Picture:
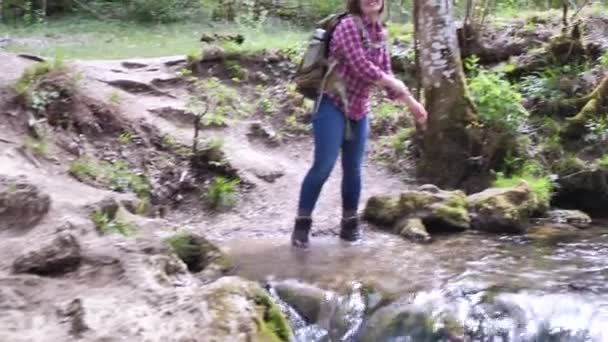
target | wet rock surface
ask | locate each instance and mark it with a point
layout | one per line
(58, 256)
(503, 209)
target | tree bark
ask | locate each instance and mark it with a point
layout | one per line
(451, 147)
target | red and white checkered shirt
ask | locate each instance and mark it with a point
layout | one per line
(359, 67)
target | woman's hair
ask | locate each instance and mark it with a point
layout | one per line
(354, 7)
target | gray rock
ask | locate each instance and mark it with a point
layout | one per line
(503, 210)
(575, 218)
(61, 255)
(307, 300)
(413, 229)
(22, 204)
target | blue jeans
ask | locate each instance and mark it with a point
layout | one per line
(329, 127)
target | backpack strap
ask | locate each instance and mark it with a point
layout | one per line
(364, 34)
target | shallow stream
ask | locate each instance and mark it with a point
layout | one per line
(548, 285)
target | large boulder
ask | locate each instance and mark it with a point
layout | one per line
(436, 210)
(308, 300)
(242, 310)
(22, 204)
(581, 186)
(503, 210)
(58, 256)
(407, 322)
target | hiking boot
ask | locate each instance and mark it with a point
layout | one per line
(299, 237)
(350, 229)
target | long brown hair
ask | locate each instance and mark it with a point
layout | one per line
(354, 7)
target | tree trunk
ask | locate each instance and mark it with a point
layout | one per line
(451, 147)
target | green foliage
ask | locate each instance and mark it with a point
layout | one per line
(235, 71)
(603, 162)
(25, 83)
(86, 38)
(400, 141)
(159, 11)
(604, 59)
(498, 102)
(184, 246)
(597, 130)
(222, 192)
(212, 101)
(273, 325)
(117, 176)
(107, 225)
(534, 174)
(115, 98)
(294, 125)
(125, 138)
(250, 15)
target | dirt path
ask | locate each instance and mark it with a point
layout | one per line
(269, 208)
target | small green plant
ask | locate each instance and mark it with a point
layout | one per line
(115, 98)
(294, 125)
(498, 102)
(39, 100)
(107, 225)
(222, 192)
(266, 106)
(235, 70)
(117, 176)
(184, 246)
(39, 147)
(125, 138)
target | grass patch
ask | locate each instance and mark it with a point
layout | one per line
(84, 38)
(34, 72)
(117, 176)
(540, 184)
(222, 192)
(107, 225)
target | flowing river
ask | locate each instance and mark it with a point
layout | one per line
(547, 285)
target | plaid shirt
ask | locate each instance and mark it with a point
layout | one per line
(358, 67)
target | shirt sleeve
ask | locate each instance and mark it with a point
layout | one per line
(349, 42)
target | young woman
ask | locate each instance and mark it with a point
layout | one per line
(359, 44)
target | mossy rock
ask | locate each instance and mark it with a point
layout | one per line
(503, 210)
(199, 254)
(307, 300)
(413, 229)
(436, 209)
(242, 308)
